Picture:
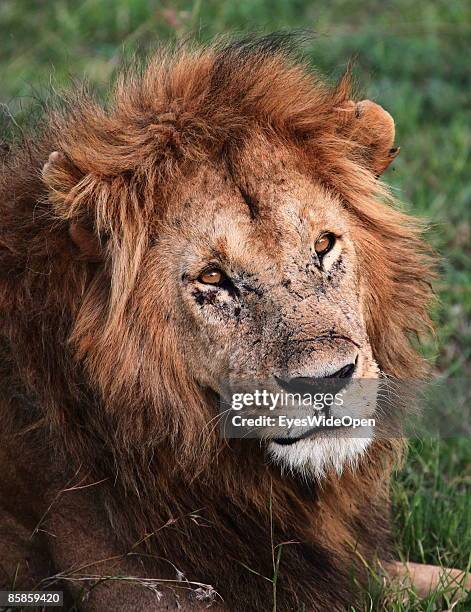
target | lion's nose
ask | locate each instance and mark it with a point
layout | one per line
(307, 384)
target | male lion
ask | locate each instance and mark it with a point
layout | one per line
(222, 217)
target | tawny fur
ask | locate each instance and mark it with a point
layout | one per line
(103, 455)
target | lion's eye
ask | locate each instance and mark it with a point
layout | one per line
(324, 244)
(212, 276)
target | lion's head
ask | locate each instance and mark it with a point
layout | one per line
(222, 219)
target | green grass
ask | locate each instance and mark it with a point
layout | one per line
(412, 57)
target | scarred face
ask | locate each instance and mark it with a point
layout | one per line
(266, 286)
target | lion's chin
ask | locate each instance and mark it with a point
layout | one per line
(315, 458)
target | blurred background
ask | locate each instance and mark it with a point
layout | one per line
(412, 58)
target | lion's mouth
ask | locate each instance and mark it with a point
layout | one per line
(308, 434)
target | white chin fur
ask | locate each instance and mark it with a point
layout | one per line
(314, 458)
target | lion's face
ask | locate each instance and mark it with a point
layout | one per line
(265, 284)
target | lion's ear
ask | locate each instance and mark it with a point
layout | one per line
(61, 177)
(372, 127)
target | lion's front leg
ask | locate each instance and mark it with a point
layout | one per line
(425, 579)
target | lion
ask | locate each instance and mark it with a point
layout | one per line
(222, 216)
